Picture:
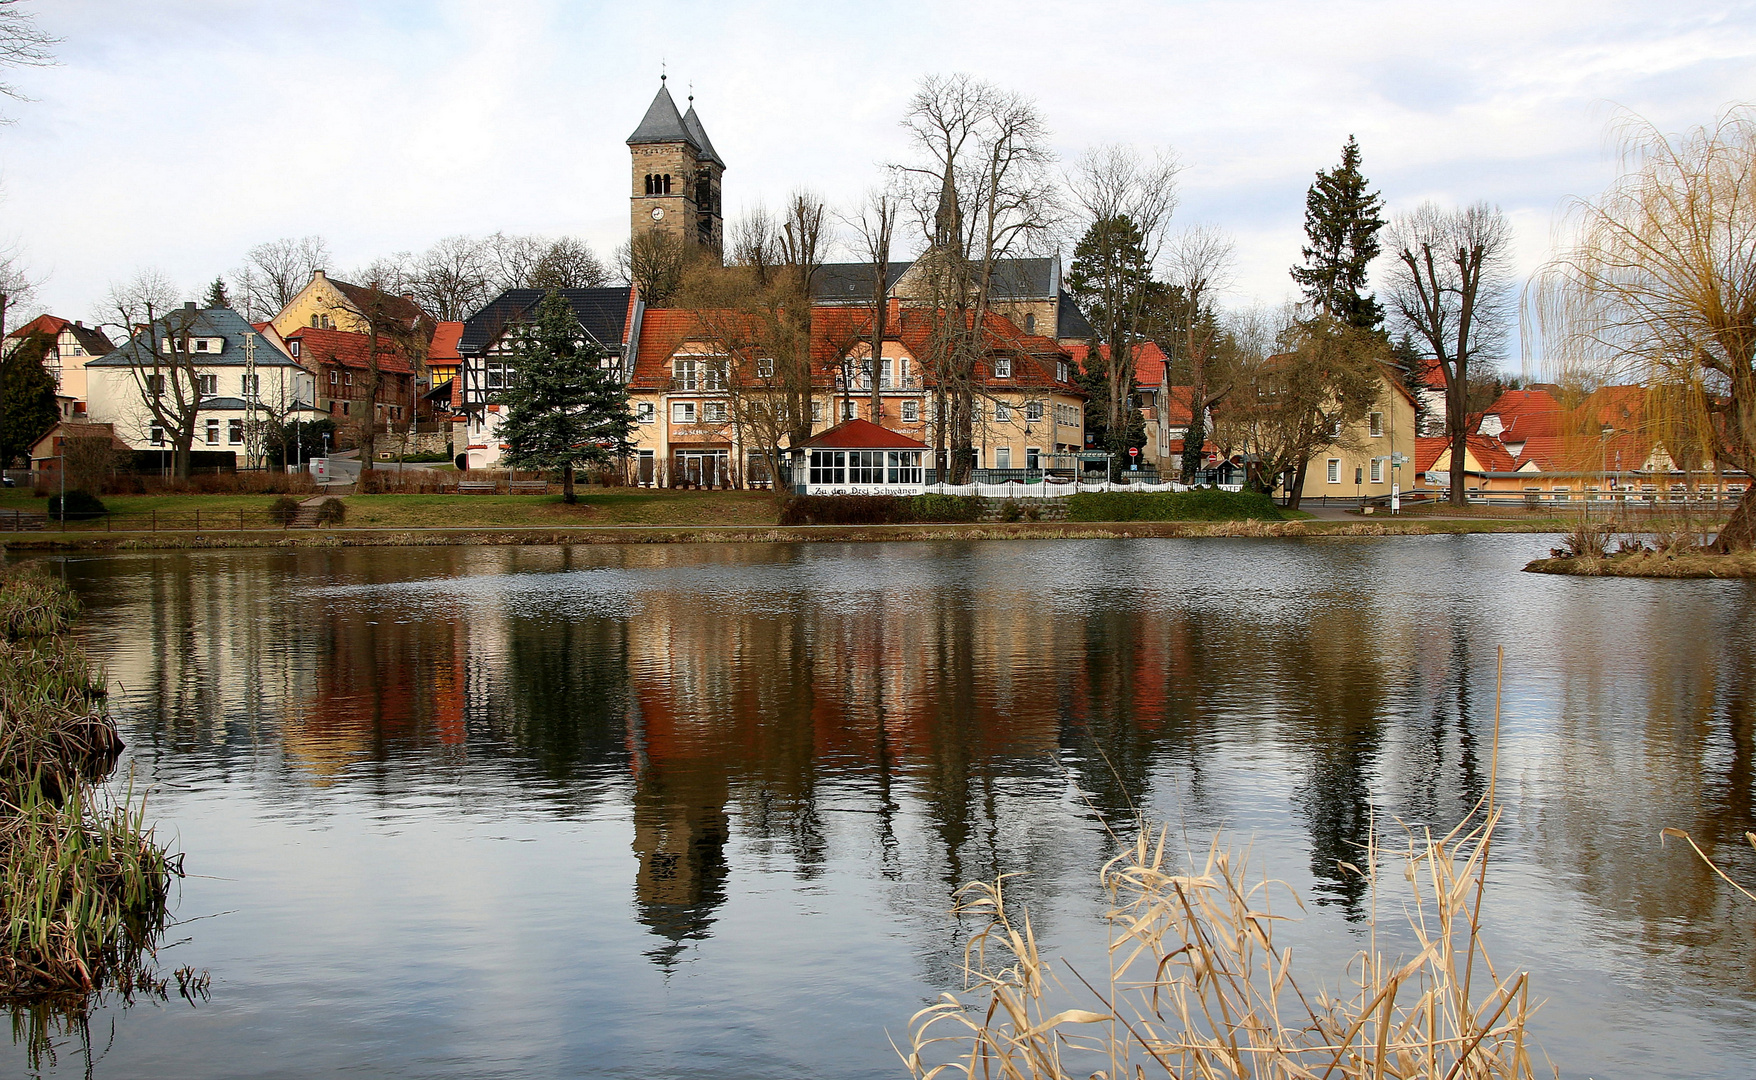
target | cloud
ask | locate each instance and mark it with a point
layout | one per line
(180, 133)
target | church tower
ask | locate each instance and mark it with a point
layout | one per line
(676, 176)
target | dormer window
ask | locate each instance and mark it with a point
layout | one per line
(293, 346)
(1002, 367)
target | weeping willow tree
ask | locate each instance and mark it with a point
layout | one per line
(1655, 283)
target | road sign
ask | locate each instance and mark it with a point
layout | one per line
(1398, 459)
(1134, 451)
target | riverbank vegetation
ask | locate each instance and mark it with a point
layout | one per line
(1199, 504)
(1198, 987)
(83, 881)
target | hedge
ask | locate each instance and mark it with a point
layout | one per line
(1200, 504)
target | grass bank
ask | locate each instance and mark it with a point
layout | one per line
(83, 883)
(1652, 564)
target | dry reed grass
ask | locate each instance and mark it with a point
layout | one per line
(1198, 988)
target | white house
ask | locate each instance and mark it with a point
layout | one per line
(244, 379)
(857, 457)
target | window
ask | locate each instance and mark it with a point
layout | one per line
(1002, 367)
(156, 435)
(251, 385)
(682, 412)
(234, 431)
(213, 433)
(200, 344)
(1003, 457)
(1033, 412)
(911, 412)
(713, 375)
(344, 408)
(207, 385)
(1063, 371)
(1377, 419)
(644, 412)
(293, 347)
(764, 367)
(817, 412)
(1033, 457)
(1377, 468)
(686, 375)
(347, 378)
(155, 385)
(848, 409)
(865, 466)
(1002, 412)
(334, 377)
(904, 466)
(1334, 475)
(828, 467)
(713, 412)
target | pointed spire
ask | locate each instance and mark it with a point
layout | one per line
(698, 135)
(662, 124)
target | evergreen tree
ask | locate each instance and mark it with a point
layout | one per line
(565, 408)
(1111, 279)
(1413, 365)
(1342, 222)
(216, 295)
(27, 397)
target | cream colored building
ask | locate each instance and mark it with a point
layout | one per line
(1361, 463)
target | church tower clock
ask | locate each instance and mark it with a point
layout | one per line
(676, 177)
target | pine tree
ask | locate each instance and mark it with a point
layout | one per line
(565, 409)
(1342, 222)
(27, 398)
(1413, 366)
(1111, 278)
(216, 295)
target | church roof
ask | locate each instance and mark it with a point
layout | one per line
(840, 283)
(663, 124)
(692, 125)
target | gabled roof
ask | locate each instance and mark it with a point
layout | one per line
(1625, 452)
(1070, 322)
(692, 125)
(851, 282)
(223, 323)
(1483, 451)
(662, 123)
(1526, 414)
(859, 434)
(347, 348)
(443, 350)
(1149, 361)
(91, 339)
(401, 308)
(602, 313)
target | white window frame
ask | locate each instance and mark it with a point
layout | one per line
(765, 367)
(1377, 473)
(713, 412)
(1033, 412)
(1377, 424)
(1333, 474)
(213, 432)
(911, 412)
(1002, 457)
(206, 385)
(156, 435)
(1002, 413)
(1002, 367)
(682, 412)
(234, 432)
(686, 372)
(849, 409)
(645, 412)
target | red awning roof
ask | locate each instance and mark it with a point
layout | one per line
(861, 435)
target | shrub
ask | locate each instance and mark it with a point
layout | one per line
(841, 510)
(1201, 504)
(80, 506)
(283, 510)
(944, 508)
(331, 511)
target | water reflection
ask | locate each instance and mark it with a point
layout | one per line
(888, 722)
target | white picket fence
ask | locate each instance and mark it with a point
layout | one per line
(1014, 490)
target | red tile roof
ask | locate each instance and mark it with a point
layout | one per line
(443, 350)
(346, 348)
(861, 435)
(1488, 453)
(1526, 414)
(48, 324)
(1584, 453)
(1149, 361)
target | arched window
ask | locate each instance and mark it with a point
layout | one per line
(667, 186)
(1030, 324)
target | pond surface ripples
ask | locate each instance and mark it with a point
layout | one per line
(677, 811)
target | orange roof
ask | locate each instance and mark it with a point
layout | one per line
(48, 324)
(1526, 414)
(346, 348)
(1149, 361)
(1620, 407)
(443, 350)
(1582, 453)
(834, 331)
(860, 434)
(1489, 453)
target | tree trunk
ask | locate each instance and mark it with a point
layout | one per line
(1739, 533)
(567, 495)
(1298, 491)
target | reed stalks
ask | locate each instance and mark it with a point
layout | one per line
(83, 883)
(1198, 988)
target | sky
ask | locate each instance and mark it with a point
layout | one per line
(178, 134)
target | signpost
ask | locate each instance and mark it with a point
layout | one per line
(1134, 459)
(1396, 461)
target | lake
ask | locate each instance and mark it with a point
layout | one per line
(683, 811)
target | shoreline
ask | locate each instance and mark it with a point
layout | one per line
(547, 536)
(1652, 565)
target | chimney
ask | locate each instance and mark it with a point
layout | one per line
(188, 305)
(79, 323)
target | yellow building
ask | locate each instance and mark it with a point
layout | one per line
(1361, 462)
(327, 304)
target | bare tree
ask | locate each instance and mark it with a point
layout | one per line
(983, 194)
(654, 263)
(162, 360)
(511, 260)
(273, 273)
(567, 263)
(874, 228)
(1200, 266)
(453, 278)
(22, 44)
(1656, 283)
(1126, 204)
(1450, 288)
(17, 288)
